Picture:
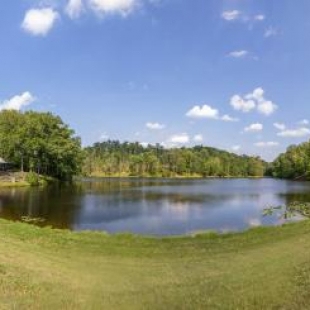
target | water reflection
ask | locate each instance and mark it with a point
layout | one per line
(158, 207)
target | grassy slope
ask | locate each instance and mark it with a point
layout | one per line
(265, 268)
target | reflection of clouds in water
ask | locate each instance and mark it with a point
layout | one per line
(160, 207)
(177, 210)
(253, 222)
(228, 229)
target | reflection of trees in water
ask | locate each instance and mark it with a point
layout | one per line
(106, 185)
(56, 204)
(104, 201)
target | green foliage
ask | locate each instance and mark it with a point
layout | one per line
(39, 142)
(32, 178)
(294, 163)
(112, 158)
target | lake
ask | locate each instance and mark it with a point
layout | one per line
(154, 206)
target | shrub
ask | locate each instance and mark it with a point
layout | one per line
(32, 178)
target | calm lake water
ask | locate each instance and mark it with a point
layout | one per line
(154, 207)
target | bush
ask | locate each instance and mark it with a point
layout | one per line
(32, 178)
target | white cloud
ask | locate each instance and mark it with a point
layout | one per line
(253, 100)
(240, 104)
(254, 128)
(198, 138)
(279, 126)
(39, 22)
(236, 148)
(155, 126)
(259, 17)
(144, 144)
(231, 15)
(74, 8)
(254, 222)
(204, 111)
(266, 107)
(295, 133)
(257, 94)
(266, 144)
(304, 122)
(182, 138)
(227, 118)
(234, 15)
(270, 32)
(104, 136)
(238, 54)
(123, 7)
(18, 102)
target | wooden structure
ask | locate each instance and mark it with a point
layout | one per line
(4, 165)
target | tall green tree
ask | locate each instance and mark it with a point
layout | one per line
(40, 142)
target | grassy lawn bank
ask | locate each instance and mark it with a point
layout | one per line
(264, 268)
(22, 179)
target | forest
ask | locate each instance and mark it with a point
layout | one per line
(114, 158)
(43, 143)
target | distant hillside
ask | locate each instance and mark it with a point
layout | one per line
(113, 158)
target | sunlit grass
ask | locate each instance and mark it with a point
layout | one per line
(264, 268)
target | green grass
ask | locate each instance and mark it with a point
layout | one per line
(14, 184)
(42, 181)
(264, 268)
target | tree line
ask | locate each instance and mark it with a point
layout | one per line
(43, 143)
(114, 158)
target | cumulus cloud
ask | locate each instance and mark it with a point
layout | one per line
(182, 138)
(254, 128)
(231, 15)
(123, 7)
(295, 133)
(204, 111)
(279, 126)
(238, 54)
(207, 112)
(240, 104)
(257, 94)
(18, 102)
(198, 138)
(39, 22)
(254, 100)
(74, 8)
(266, 144)
(266, 107)
(304, 122)
(155, 126)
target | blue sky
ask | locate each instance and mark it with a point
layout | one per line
(232, 74)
